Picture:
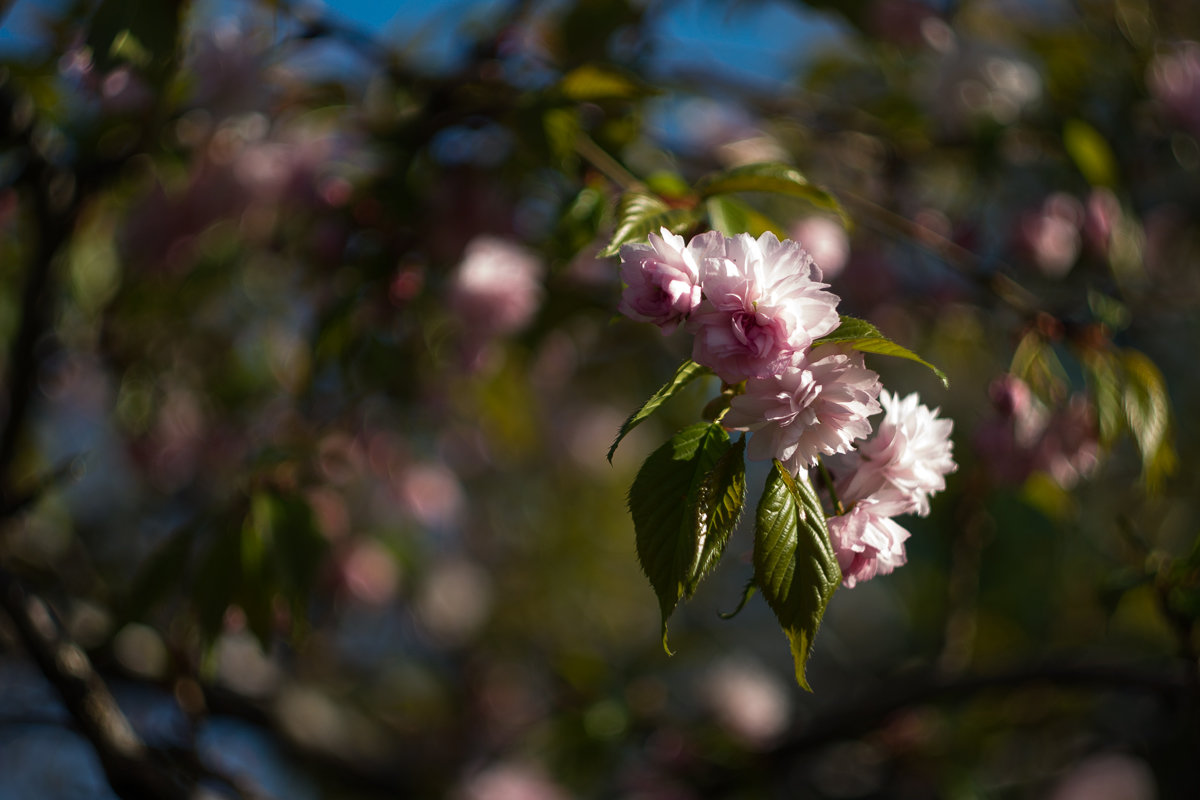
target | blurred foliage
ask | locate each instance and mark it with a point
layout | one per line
(329, 337)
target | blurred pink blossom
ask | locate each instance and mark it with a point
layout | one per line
(818, 405)
(1052, 234)
(1101, 217)
(1108, 776)
(496, 289)
(510, 781)
(764, 301)
(432, 494)
(1174, 79)
(663, 278)
(906, 460)
(826, 242)
(749, 702)
(1070, 448)
(1023, 436)
(1008, 440)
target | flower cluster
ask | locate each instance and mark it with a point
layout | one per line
(755, 308)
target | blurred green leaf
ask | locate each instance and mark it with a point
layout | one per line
(143, 33)
(1148, 412)
(769, 177)
(1105, 384)
(675, 512)
(731, 216)
(159, 573)
(863, 336)
(592, 82)
(794, 563)
(687, 372)
(1090, 152)
(639, 215)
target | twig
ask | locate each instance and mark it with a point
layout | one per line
(124, 756)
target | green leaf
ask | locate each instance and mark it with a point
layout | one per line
(590, 83)
(143, 33)
(1104, 380)
(719, 506)
(160, 573)
(731, 216)
(1090, 152)
(769, 177)
(863, 336)
(683, 512)
(639, 215)
(794, 563)
(1147, 410)
(688, 371)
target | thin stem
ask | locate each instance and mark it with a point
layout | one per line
(612, 169)
(828, 479)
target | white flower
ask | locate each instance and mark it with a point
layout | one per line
(906, 460)
(818, 405)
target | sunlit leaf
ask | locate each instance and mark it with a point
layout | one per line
(687, 372)
(1090, 152)
(794, 563)
(639, 215)
(591, 82)
(769, 177)
(731, 216)
(674, 505)
(863, 336)
(1147, 410)
(143, 33)
(1105, 384)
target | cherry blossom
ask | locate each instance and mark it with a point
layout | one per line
(819, 405)
(763, 302)
(906, 460)
(867, 541)
(663, 277)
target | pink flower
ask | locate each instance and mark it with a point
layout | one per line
(764, 301)
(818, 405)
(1007, 442)
(1052, 234)
(905, 461)
(826, 242)
(663, 278)
(1174, 79)
(1070, 448)
(497, 286)
(867, 541)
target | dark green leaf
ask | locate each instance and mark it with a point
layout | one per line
(863, 336)
(143, 33)
(719, 505)
(163, 570)
(639, 215)
(674, 515)
(794, 564)
(769, 177)
(687, 372)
